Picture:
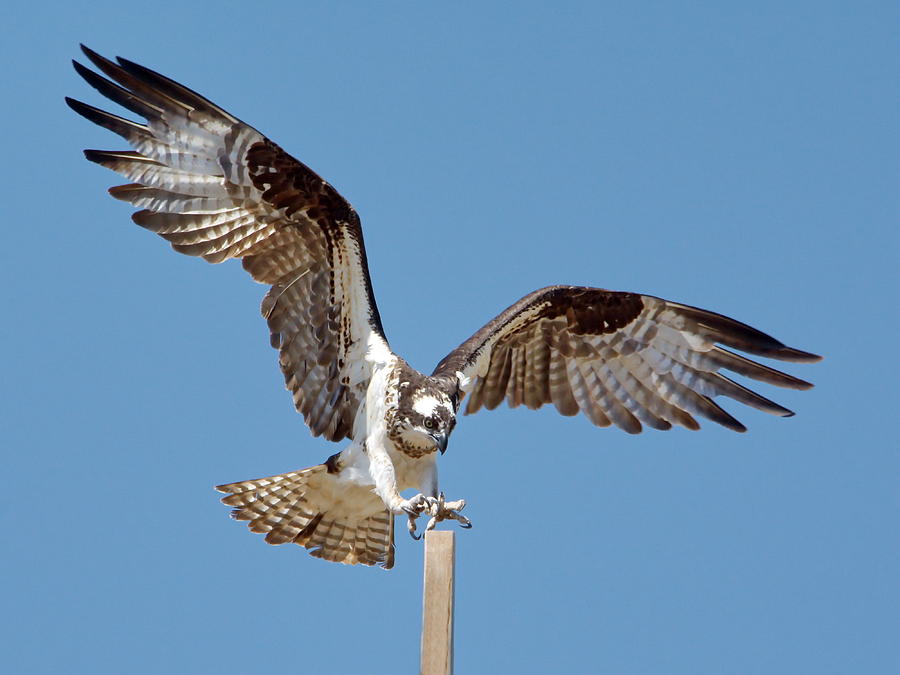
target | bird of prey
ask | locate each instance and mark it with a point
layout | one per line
(216, 188)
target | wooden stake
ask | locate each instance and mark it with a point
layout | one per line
(437, 603)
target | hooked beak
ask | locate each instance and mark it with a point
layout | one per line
(440, 440)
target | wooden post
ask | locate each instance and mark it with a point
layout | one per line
(437, 603)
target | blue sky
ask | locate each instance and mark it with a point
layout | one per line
(742, 157)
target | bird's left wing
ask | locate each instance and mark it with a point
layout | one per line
(215, 187)
(620, 358)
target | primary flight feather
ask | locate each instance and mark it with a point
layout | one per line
(215, 187)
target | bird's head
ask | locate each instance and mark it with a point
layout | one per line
(425, 417)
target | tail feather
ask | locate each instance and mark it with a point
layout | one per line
(335, 519)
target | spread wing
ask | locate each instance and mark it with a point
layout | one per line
(216, 188)
(620, 358)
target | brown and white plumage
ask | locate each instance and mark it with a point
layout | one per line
(311, 508)
(214, 187)
(620, 358)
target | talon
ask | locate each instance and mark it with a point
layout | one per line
(464, 522)
(411, 526)
(413, 509)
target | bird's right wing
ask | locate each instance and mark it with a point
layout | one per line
(215, 187)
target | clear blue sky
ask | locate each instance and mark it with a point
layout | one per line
(742, 157)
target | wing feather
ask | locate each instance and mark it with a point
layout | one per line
(619, 358)
(154, 199)
(496, 382)
(216, 188)
(151, 173)
(633, 394)
(559, 385)
(592, 403)
(536, 379)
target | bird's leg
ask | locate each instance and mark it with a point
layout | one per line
(382, 470)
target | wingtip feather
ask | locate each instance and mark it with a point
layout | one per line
(87, 111)
(799, 356)
(74, 104)
(81, 69)
(91, 54)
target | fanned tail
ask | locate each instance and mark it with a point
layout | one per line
(333, 518)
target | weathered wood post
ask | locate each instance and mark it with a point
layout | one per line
(437, 603)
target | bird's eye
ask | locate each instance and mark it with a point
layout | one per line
(429, 423)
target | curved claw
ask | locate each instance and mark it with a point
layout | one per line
(411, 524)
(413, 509)
(464, 522)
(412, 514)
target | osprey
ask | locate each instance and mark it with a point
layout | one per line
(215, 187)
